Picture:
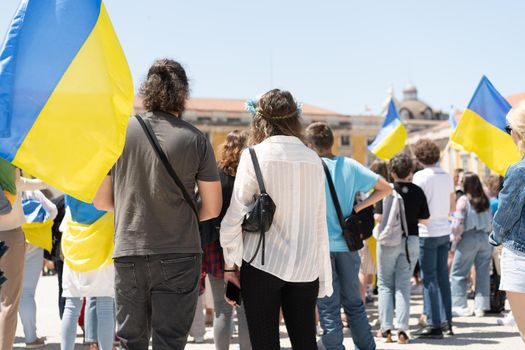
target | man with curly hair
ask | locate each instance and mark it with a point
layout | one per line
(157, 242)
(434, 240)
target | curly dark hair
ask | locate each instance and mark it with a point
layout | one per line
(402, 165)
(231, 151)
(320, 135)
(473, 188)
(166, 88)
(427, 152)
(273, 106)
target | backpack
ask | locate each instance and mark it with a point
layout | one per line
(393, 226)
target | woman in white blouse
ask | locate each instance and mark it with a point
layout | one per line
(296, 269)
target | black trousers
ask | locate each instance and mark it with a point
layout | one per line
(264, 295)
(156, 295)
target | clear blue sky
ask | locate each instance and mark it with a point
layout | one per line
(340, 54)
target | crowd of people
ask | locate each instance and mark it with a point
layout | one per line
(168, 216)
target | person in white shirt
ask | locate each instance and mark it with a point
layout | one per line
(296, 269)
(434, 239)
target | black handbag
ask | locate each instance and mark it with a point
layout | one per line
(351, 226)
(260, 218)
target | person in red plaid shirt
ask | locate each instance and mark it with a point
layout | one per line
(213, 259)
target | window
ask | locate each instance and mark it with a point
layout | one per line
(204, 120)
(465, 161)
(345, 140)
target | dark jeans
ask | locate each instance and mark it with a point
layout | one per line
(156, 295)
(433, 255)
(264, 295)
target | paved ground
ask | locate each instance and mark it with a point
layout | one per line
(471, 332)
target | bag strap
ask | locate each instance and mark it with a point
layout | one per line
(257, 168)
(333, 194)
(404, 225)
(164, 160)
(262, 189)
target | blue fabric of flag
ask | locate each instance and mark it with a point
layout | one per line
(488, 103)
(82, 212)
(24, 94)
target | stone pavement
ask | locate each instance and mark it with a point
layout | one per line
(471, 332)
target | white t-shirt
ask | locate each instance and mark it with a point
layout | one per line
(438, 186)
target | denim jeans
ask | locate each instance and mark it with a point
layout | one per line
(345, 281)
(433, 255)
(156, 295)
(222, 323)
(69, 323)
(393, 282)
(100, 321)
(34, 260)
(474, 248)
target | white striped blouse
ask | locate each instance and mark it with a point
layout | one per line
(297, 242)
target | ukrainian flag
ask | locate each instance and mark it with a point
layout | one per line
(481, 129)
(66, 94)
(392, 136)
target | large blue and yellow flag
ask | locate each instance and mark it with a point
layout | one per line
(66, 94)
(392, 137)
(481, 129)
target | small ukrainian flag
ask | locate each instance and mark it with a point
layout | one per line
(392, 137)
(66, 94)
(481, 129)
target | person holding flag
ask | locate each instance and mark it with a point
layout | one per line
(87, 246)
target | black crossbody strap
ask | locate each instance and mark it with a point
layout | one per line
(335, 199)
(257, 168)
(164, 160)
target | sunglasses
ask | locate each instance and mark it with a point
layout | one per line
(508, 129)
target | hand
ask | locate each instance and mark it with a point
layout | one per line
(232, 278)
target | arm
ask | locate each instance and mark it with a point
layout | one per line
(452, 202)
(511, 202)
(25, 184)
(104, 197)
(458, 226)
(211, 199)
(382, 189)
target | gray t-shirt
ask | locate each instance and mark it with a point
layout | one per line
(151, 216)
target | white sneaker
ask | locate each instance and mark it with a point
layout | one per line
(461, 311)
(508, 320)
(479, 312)
(198, 340)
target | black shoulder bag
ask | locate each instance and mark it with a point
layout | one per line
(260, 218)
(351, 225)
(164, 160)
